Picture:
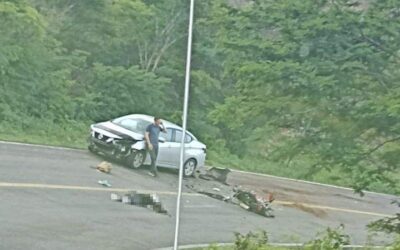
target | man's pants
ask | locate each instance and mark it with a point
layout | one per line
(153, 156)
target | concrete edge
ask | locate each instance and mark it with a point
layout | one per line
(288, 245)
(41, 146)
(310, 182)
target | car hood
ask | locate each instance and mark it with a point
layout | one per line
(117, 131)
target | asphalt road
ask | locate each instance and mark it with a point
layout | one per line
(50, 199)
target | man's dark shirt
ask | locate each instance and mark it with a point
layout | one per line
(154, 132)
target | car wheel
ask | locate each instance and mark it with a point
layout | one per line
(189, 168)
(136, 159)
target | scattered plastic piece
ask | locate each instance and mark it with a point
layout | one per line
(104, 183)
(116, 197)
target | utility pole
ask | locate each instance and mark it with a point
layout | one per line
(184, 125)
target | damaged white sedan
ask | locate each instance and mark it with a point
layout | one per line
(123, 139)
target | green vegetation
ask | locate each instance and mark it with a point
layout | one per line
(390, 225)
(305, 89)
(69, 134)
(330, 239)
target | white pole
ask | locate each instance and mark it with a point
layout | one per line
(184, 125)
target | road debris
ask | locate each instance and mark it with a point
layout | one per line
(216, 196)
(151, 201)
(247, 199)
(104, 183)
(104, 167)
(116, 197)
(242, 205)
(214, 173)
(253, 202)
(320, 213)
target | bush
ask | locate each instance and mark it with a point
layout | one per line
(46, 131)
(330, 239)
(251, 241)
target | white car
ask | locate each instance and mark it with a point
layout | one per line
(123, 138)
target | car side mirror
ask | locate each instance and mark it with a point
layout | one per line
(161, 139)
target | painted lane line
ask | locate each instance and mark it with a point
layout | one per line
(82, 188)
(290, 203)
(233, 170)
(200, 206)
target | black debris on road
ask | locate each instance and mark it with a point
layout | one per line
(151, 201)
(213, 184)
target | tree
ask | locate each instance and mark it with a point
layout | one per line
(318, 81)
(31, 76)
(111, 91)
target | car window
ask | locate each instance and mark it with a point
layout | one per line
(134, 125)
(178, 137)
(167, 136)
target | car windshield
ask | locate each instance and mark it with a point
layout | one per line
(133, 124)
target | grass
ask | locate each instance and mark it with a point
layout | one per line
(300, 170)
(71, 134)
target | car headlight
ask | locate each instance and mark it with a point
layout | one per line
(120, 146)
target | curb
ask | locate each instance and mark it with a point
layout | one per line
(310, 182)
(288, 245)
(41, 146)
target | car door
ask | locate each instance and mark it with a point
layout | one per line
(175, 147)
(163, 150)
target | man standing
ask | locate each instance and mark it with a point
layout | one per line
(151, 136)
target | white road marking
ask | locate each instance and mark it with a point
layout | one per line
(104, 189)
(200, 206)
(82, 188)
(233, 170)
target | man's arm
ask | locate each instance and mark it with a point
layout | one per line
(147, 138)
(162, 128)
